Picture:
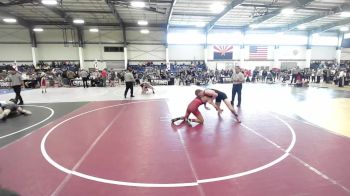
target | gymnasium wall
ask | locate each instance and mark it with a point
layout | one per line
(345, 55)
(186, 52)
(57, 44)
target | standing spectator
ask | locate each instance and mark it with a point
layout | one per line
(264, 75)
(313, 75)
(238, 79)
(122, 77)
(104, 77)
(112, 77)
(84, 76)
(70, 76)
(294, 75)
(16, 82)
(137, 78)
(182, 78)
(299, 80)
(95, 78)
(319, 74)
(43, 82)
(326, 74)
(129, 82)
(341, 78)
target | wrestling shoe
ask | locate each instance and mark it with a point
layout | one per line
(188, 121)
(175, 119)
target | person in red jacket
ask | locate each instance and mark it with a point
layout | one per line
(104, 75)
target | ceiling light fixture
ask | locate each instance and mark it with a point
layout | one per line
(343, 29)
(38, 29)
(144, 31)
(142, 22)
(287, 11)
(345, 14)
(78, 21)
(93, 30)
(217, 7)
(49, 2)
(10, 20)
(138, 4)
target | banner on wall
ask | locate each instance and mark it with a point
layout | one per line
(223, 52)
(258, 52)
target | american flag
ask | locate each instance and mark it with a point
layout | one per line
(258, 52)
(223, 52)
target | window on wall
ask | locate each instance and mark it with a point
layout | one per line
(186, 37)
(113, 49)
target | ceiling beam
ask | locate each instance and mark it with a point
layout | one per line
(295, 4)
(61, 23)
(149, 9)
(228, 8)
(278, 7)
(119, 19)
(154, 1)
(330, 26)
(318, 16)
(115, 12)
(15, 2)
(58, 12)
(20, 21)
(193, 14)
(88, 11)
(170, 14)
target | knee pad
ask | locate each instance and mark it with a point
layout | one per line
(5, 113)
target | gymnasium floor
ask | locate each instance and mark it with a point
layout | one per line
(292, 141)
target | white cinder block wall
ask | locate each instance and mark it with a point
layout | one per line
(15, 45)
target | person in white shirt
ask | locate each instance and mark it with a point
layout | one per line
(319, 74)
(313, 75)
(129, 82)
(341, 78)
(238, 79)
(16, 82)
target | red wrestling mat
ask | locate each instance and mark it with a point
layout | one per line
(130, 148)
